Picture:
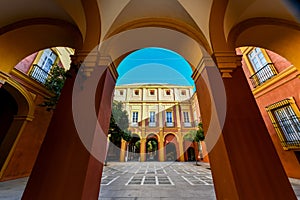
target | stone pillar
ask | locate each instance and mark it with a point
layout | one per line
(244, 162)
(180, 146)
(67, 166)
(123, 150)
(161, 149)
(143, 150)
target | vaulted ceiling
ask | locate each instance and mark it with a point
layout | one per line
(81, 24)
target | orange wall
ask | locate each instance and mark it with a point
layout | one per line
(27, 148)
(279, 92)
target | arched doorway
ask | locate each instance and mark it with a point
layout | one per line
(134, 148)
(171, 146)
(152, 148)
(8, 109)
(191, 154)
(171, 152)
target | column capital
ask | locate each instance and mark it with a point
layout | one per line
(92, 59)
(227, 62)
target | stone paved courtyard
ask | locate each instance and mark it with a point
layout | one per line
(157, 180)
(148, 180)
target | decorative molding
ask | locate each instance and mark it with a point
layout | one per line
(91, 59)
(227, 62)
(274, 82)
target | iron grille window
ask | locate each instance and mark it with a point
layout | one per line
(286, 123)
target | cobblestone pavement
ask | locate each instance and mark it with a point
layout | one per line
(149, 180)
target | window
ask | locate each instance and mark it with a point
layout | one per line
(136, 92)
(47, 60)
(186, 120)
(168, 92)
(121, 92)
(135, 116)
(183, 92)
(286, 122)
(152, 117)
(40, 71)
(169, 117)
(186, 117)
(263, 70)
(152, 122)
(152, 92)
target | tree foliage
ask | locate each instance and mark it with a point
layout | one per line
(195, 135)
(54, 84)
(119, 124)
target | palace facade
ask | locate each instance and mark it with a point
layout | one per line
(160, 115)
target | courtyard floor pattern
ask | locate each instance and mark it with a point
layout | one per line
(145, 181)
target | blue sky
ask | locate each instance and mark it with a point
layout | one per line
(154, 65)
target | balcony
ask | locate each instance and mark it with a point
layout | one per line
(262, 75)
(169, 124)
(187, 124)
(152, 124)
(134, 124)
(38, 74)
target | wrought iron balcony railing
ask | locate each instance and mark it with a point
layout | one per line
(170, 124)
(152, 124)
(38, 74)
(262, 75)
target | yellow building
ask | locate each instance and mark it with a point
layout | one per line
(159, 114)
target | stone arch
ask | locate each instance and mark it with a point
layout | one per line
(36, 34)
(259, 32)
(24, 113)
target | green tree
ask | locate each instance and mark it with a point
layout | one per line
(54, 84)
(196, 136)
(119, 123)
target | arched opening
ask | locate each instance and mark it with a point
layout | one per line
(152, 148)
(171, 145)
(8, 110)
(191, 154)
(134, 148)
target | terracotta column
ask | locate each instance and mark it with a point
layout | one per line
(180, 147)
(65, 167)
(143, 150)
(161, 150)
(123, 150)
(244, 162)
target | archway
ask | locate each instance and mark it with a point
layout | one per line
(134, 148)
(8, 109)
(172, 149)
(191, 154)
(152, 148)
(17, 112)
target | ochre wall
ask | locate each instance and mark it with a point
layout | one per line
(278, 91)
(24, 155)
